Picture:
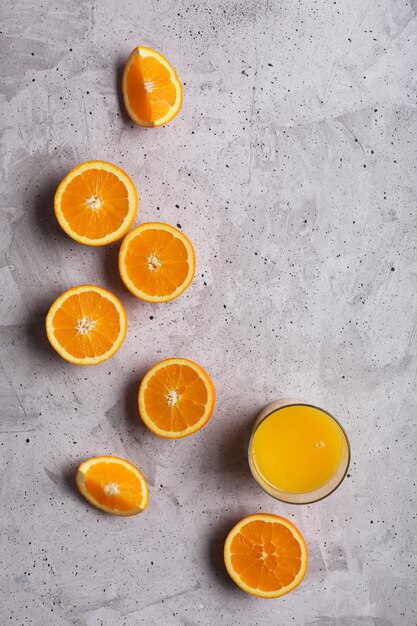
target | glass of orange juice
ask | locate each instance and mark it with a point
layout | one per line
(298, 453)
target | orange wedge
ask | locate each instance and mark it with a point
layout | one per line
(96, 203)
(156, 262)
(112, 485)
(86, 325)
(266, 555)
(152, 92)
(176, 398)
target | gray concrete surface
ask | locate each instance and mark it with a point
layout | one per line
(292, 167)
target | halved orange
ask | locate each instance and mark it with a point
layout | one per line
(152, 92)
(266, 555)
(86, 325)
(176, 398)
(112, 485)
(96, 203)
(156, 262)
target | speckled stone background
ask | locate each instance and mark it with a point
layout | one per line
(292, 167)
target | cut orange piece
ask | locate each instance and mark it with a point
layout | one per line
(96, 203)
(176, 398)
(152, 92)
(156, 262)
(112, 485)
(266, 555)
(86, 325)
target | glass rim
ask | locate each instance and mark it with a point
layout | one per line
(282, 499)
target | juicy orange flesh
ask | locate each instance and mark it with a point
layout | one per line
(150, 90)
(189, 390)
(105, 189)
(106, 473)
(156, 262)
(89, 309)
(265, 555)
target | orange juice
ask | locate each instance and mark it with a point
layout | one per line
(298, 449)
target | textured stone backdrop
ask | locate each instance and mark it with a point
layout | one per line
(292, 167)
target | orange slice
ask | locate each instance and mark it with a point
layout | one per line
(266, 555)
(86, 325)
(156, 262)
(176, 398)
(152, 92)
(112, 485)
(96, 203)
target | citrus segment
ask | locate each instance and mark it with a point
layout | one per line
(176, 398)
(156, 262)
(266, 555)
(96, 203)
(86, 325)
(112, 485)
(152, 92)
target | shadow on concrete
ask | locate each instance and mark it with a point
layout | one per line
(43, 214)
(120, 65)
(65, 480)
(35, 330)
(227, 457)
(134, 423)
(124, 416)
(111, 270)
(68, 481)
(215, 549)
(229, 452)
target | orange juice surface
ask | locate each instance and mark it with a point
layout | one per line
(297, 449)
